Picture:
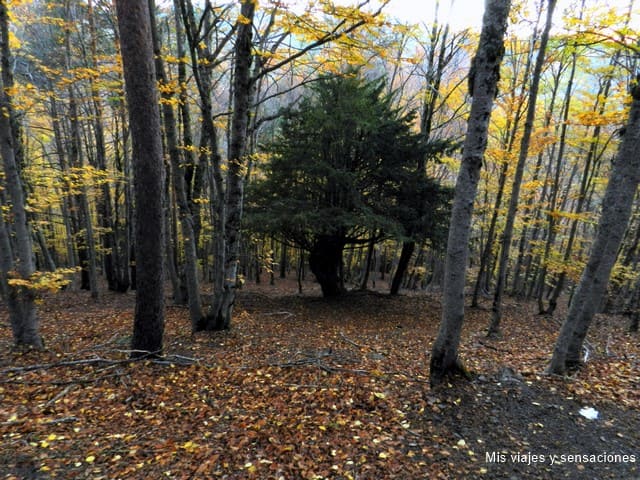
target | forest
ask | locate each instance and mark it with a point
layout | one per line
(309, 239)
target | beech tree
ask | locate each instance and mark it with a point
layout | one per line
(616, 211)
(144, 119)
(219, 317)
(483, 84)
(16, 258)
(179, 183)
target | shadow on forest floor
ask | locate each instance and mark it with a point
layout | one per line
(307, 388)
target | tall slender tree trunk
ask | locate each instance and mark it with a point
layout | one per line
(367, 263)
(144, 121)
(179, 186)
(483, 278)
(616, 211)
(193, 170)
(532, 214)
(104, 201)
(86, 241)
(507, 235)
(209, 154)
(171, 245)
(585, 184)
(219, 317)
(17, 257)
(511, 130)
(483, 85)
(67, 200)
(555, 189)
(284, 258)
(121, 209)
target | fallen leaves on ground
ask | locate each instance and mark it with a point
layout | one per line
(300, 387)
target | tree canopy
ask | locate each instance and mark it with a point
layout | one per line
(345, 168)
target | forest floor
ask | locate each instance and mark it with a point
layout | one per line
(305, 388)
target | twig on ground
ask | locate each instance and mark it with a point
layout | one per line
(10, 423)
(148, 356)
(491, 347)
(61, 383)
(55, 421)
(66, 390)
(350, 342)
(285, 313)
(68, 363)
(99, 346)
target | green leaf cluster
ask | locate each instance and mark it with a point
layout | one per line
(347, 164)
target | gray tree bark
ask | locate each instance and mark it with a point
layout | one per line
(616, 211)
(180, 188)
(219, 317)
(103, 202)
(484, 77)
(16, 259)
(86, 241)
(144, 121)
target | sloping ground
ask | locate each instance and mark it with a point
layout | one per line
(305, 388)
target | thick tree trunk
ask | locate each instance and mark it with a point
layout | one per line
(483, 84)
(144, 120)
(405, 257)
(325, 262)
(22, 311)
(616, 211)
(16, 259)
(17, 256)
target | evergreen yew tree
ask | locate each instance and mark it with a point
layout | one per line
(339, 173)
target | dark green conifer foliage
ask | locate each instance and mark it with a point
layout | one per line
(345, 167)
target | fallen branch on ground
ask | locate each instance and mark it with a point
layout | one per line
(167, 360)
(349, 341)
